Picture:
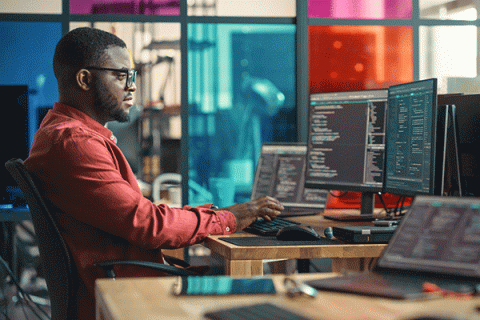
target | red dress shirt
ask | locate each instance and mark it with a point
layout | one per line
(98, 203)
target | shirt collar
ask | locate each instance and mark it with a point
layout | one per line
(85, 119)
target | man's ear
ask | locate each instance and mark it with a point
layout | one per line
(84, 79)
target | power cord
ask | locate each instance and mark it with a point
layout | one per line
(22, 295)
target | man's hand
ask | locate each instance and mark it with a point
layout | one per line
(248, 212)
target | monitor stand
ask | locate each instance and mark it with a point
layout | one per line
(366, 211)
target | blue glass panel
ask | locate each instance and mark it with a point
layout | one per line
(26, 55)
(241, 93)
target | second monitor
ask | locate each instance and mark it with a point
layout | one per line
(346, 142)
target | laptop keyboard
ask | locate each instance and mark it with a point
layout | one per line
(269, 228)
(261, 311)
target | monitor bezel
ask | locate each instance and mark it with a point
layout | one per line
(435, 171)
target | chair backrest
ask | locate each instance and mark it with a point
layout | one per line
(58, 267)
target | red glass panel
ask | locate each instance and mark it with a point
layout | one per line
(345, 58)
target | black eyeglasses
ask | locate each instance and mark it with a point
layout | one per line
(131, 74)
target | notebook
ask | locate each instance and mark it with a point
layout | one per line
(280, 174)
(437, 241)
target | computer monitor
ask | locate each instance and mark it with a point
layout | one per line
(346, 142)
(413, 141)
(14, 142)
(468, 133)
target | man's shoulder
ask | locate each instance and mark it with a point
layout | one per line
(67, 129)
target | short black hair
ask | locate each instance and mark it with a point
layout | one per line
(82, 47)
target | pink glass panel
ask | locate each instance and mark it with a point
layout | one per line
(360, 9)
(345, 58)
(150, 7)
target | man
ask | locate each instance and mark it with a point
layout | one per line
(88, 182)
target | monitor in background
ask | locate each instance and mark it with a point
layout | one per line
(411, 166)
(468, 129)
(280, 174)
(14, 142)
(346, 143)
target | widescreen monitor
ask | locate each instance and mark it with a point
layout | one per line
(346, 142)
(412, 143)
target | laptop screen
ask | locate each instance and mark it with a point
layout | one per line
(280, 174)
(438, 234)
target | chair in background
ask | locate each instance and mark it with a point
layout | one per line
(60, 272)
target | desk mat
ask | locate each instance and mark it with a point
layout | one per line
(272, 241)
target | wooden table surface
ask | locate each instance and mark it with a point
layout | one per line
(150, 298)
(248, 261)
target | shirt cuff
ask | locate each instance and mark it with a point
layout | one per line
(227, 221)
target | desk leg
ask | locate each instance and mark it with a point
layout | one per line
(352, 264)
(243, 268)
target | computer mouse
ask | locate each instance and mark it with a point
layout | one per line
(298, 232)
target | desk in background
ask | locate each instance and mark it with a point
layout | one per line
(14, 214)
(246, 261)
(150, 298)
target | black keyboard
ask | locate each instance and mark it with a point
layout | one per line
(261, 311)
(269, 228)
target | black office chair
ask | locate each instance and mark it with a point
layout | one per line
(60, 272)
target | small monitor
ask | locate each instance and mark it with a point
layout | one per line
(346, 142)
(411, 166)
(280, 173)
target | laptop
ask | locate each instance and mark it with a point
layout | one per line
(280, 174)
(437, 241)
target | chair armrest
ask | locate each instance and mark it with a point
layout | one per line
(108, 267)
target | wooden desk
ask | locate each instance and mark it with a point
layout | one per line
(150, 298)
(248, 261)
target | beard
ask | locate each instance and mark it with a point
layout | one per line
(106, 103)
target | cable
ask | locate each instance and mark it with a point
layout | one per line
(26, 297)
(380, 196)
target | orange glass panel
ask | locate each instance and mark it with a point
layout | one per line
(345, 58)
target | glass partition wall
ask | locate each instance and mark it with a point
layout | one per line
(216, 78)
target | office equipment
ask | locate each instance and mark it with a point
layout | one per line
(438, 242)
(14, 130)
(280, 173)
(259, 311)
(467, 118)
(364, 234)
(297, 233)
(413, 141)
(221, 285)
(275, 242)
(346, 141)
(264, 227)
